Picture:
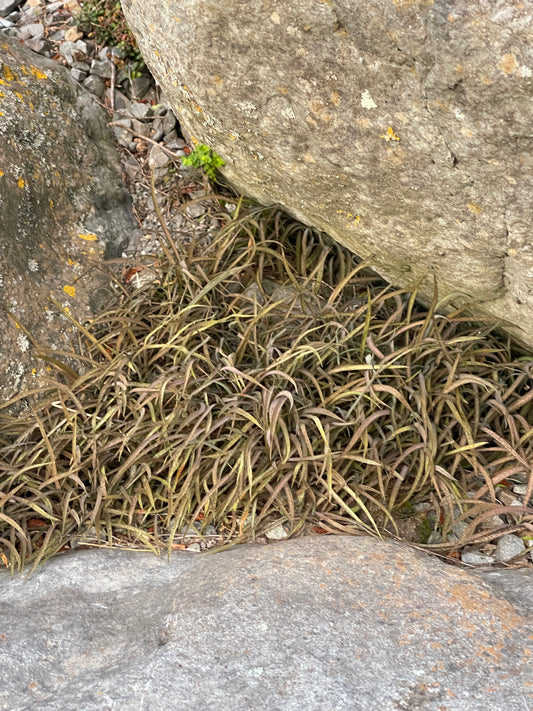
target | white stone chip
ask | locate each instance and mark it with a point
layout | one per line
(277, 534)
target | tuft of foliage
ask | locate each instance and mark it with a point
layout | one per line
(270, 378)
(105, 20)
(205, 158)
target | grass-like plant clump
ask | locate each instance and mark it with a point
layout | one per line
(270, 377)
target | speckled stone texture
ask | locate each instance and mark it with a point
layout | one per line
(400, 127)
(321, 623)
(63, 208)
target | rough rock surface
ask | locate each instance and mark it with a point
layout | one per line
(320, 623)
(63, 208)
(400, 127)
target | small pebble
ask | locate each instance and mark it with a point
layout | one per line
(474, 558)
(140, 85)
(276, 534)
(520, 489)
(508, 547)
(101, 68)
(69, 50)
(138, 109)
(158, 157)
(95, 85)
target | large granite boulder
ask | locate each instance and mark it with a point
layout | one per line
(400, 127)
(63, 209)
(315, 623)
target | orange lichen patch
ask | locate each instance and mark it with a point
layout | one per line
(1, 173)
(479, 602)
(390, 135)
(335, 98)
(217, 79)
(474, 209)
(70, 290)
(88, 236)
(508, 64)
(282, 90)
(21, 183)
(318, 108)
(51, 203)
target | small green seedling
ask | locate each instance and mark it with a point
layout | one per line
(205, 158)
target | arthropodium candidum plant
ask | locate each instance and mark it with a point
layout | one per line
(269, 377)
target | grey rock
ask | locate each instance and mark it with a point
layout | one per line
(170, 137)
(278, 533)
(508, 547)
(57, 36)
(400, 128)
(122, 136)
(194, 547)
(143, 129)
(520, 489)
(176, 145)
(169, 122)
(54, 6)
(7, 6)
(159, 109)
(40, 46)
(196, 210)
(101, 68)
(32, 29)
(320, 623)
(63, 208)
(107, 53)
(158, 157)
(140, 85)
(157, 128)
(475, 558)
(71, 50)
(78, 74)
(95, 85)
(120, 101)
(458, 530)
(515, 586)
(139, 110)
